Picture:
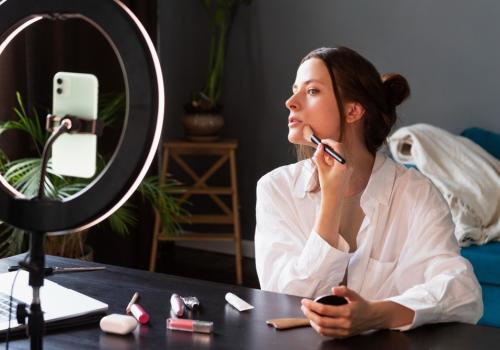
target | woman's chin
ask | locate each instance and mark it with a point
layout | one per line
(296, 138)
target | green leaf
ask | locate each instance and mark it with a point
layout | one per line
(122, 219)
(3, 162)
(27, 124)
(167, 206)
(69, 189)
(12, 240)
(20, 103)
(221, 16)
(111, 108)
(207, 4)
(24, 175)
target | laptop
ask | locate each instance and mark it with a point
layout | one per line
(62, 306)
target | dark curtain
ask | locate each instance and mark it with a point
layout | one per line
(28, 64)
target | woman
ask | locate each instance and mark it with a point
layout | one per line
(368, 230)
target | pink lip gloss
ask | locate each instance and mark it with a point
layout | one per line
(139, 313)
(190, 325)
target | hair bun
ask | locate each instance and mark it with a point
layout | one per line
(396, 87)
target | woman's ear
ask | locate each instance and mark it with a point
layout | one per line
(354, 112)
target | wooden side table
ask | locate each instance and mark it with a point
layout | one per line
(224, 151)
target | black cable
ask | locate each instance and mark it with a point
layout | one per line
(7, 336)
(65, 126)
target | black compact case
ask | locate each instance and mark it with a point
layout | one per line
(331, 300)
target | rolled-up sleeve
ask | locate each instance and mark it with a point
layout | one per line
(289, 260)
(435, 281)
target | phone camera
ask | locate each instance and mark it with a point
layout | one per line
(59, 81)
(59, 91)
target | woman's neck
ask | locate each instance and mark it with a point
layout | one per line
(360, 158)
(362, 161)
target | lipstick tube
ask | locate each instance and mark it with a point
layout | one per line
(179, 324)
(177, 305)
(139, 313)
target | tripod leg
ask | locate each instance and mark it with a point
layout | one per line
(35, 323)
(37, 273)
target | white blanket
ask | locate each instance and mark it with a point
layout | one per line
(467, 176)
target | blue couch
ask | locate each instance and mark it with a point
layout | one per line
(486, 258)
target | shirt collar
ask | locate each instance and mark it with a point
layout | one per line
(304, 179)
(381, 182)
(379, 187)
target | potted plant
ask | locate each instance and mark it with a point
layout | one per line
(24, 175)
(203, 119)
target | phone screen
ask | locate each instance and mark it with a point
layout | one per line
(75, 94)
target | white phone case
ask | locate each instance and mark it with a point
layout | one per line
(75, 94)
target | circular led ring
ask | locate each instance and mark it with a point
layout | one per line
(142, 126)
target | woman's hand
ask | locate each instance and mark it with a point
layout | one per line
(333, 176)
(357, 316)
(334, 179)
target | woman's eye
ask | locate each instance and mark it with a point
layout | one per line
(312, 91)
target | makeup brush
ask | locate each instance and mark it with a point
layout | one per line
(309, 136)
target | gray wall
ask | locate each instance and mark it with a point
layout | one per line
(449, 51)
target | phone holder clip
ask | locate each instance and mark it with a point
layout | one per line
(78, 125)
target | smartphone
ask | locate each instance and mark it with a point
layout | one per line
(331, 300)
(75, 94)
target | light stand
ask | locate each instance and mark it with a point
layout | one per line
(36, 268)
(135, 151)
(36, 264)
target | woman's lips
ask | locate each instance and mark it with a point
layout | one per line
(292, 122)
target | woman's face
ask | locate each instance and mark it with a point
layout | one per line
(313, 102)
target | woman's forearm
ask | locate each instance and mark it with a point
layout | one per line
(328, 220)
(388, 314)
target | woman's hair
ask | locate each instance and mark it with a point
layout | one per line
(355, 79)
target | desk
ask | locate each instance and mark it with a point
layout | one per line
(232, 330)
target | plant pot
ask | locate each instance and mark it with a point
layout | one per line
(202, 127)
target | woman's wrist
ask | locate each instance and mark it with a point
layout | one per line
(388, 314)
(380, 316)
(328, 221)
(327, 233)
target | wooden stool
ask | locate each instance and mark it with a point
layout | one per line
(176, 150)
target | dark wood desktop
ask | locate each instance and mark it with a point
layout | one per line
(232, 329)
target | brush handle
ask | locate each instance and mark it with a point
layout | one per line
(328, 150)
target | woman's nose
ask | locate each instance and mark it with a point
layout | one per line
(292, 103)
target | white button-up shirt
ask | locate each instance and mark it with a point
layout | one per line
(406, 251)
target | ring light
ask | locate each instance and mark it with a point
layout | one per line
(143, 116)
